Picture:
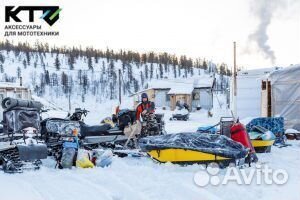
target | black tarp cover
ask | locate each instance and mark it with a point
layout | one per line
(16, 119)
(208, 143)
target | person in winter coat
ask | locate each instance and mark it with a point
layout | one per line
(145, 107)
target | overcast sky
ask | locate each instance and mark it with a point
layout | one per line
(197, 28)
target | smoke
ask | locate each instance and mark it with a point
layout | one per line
(264, 10)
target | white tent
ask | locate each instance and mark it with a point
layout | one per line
(285, 85)
(248, 101)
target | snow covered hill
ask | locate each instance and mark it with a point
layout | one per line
(92, 82)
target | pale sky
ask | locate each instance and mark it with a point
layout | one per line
(197, 28)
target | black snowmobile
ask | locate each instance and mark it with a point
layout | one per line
(20, 147)
(108, 135)
(181, 112)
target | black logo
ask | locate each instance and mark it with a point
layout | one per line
(50, 13)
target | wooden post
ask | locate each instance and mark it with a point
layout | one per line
(234, 81)
(21, 81)
(120, 87)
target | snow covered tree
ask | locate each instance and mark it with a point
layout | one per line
(64, 82)
(161, 71)
(1, 68)
(57, 63)
(151, 70)
(129, 72)
(2, 59)
(85, 83)
(27, 57)
(47, 77)
(175, 71)
(71, 62)
(146, 71)
(53, 79)
(136, 85)
(24, 64)
(90, 64)
(204, 65)
(142, 78)
(185, 72)
(19, 72)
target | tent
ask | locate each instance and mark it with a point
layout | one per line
(285, 95)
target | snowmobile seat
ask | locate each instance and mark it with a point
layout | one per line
(126, 117)
(96, 130)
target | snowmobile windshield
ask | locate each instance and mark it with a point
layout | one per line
(259, 129)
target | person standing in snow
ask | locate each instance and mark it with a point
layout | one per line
(145, 107)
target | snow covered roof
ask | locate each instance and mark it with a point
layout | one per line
(260, 72)
(161, 84)
(197, 82)
(286, 74)
(180, 86)
(203, 82)
(10, 85)
(182, 89)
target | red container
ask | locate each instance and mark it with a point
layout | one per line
(239, 134)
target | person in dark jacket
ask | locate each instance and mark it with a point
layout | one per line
(145, 107)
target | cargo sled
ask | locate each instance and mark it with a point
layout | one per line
(189, 148)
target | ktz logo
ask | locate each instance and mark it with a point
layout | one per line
(50, 13)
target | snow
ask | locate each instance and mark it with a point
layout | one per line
(290, 130)
(142, 178)
(199, 81)
(203, 81)
(135, 178)
(182, 89)
(10, 85)
(259, 72)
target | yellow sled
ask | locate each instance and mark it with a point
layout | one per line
(189, 148)
(262, 146)
(185, 156)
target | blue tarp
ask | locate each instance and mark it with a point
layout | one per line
(207, 129)
(273, 124)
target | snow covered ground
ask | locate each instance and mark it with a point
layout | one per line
(133, 178)
(142, 178)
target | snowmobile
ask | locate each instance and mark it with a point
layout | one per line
(111, 134)
(20, 146)
(181, 112)
(262, 139)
